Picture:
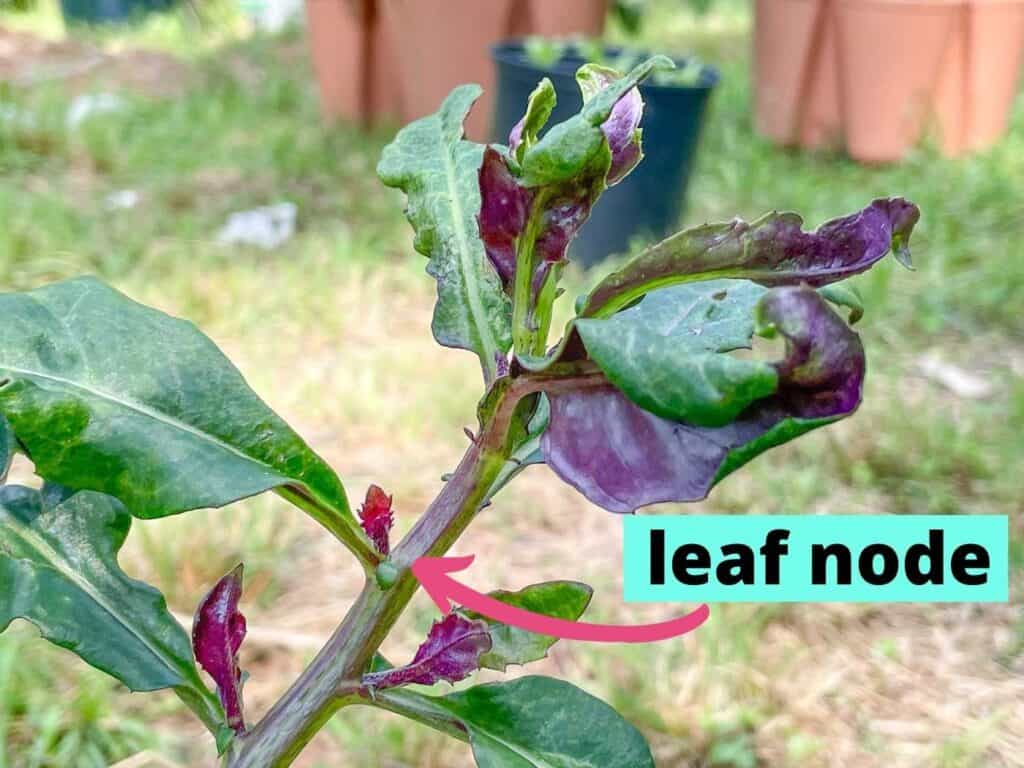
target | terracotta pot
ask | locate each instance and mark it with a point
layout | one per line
(354, 60)
(894, 54)
(796, 77)
(384, 101)
(562, 18)
(995, 40)
(441, 44)
(339, 42)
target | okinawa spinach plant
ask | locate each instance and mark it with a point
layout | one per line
(128, 413)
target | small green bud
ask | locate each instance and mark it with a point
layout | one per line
(387, 574)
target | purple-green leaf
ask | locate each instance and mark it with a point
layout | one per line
(504, 206)
(451, 652)
(622, 128)
(773, 250)
(217, 633)
(623, 457)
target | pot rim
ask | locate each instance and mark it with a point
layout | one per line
(512, 52)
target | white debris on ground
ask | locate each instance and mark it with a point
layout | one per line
(91, 104)
(122, 200)
(960, 382)
(272, 15)
(268, 227)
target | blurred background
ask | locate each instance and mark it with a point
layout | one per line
(216, 159)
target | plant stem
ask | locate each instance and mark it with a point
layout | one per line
(330, 680)
(528, 338)
(333, 678)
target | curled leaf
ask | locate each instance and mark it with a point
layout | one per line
(623, 457)
(377, 518)
(773, 250)
(538, 110)
(504, 206)
(545, 187)
(451, 652)
(59, 570)
(439, 172)
(622, 128)
(217, 633)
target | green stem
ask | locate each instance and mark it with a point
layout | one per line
(334, 675)
(530, 319)
(420, 708)
(333, 679)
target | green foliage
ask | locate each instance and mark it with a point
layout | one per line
(437, 169)
(511, 645)
(109, 395)
(532, 722)
(58, 569)
(670, 355)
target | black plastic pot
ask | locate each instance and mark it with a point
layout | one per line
(108, 11)
(647, 203)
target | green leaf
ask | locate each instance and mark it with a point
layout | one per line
(511, 645)
(532, 722)
(108, 395)
(538, 110)
(58, 569)
(845, 295)
(438, 171)
(599, 105)
(670, 354)
(567, 151)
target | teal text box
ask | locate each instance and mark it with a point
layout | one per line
(795, 582)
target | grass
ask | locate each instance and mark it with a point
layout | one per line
(332, 329)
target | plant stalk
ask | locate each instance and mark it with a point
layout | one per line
(333, 678)
(334, 675)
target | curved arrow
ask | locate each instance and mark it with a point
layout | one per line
(432, 573)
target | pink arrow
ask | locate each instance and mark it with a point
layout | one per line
(432, 573)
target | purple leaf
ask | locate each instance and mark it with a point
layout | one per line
(451, 652)
(377, 518)
(622, 457)
(503, 209)
(772, 251)
(217, 633)
(551, 203)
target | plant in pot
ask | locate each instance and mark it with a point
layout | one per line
(648, 203)
(128, 414)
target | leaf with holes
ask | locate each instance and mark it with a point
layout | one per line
(59, 570)
(108, 395)
(605, 443)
